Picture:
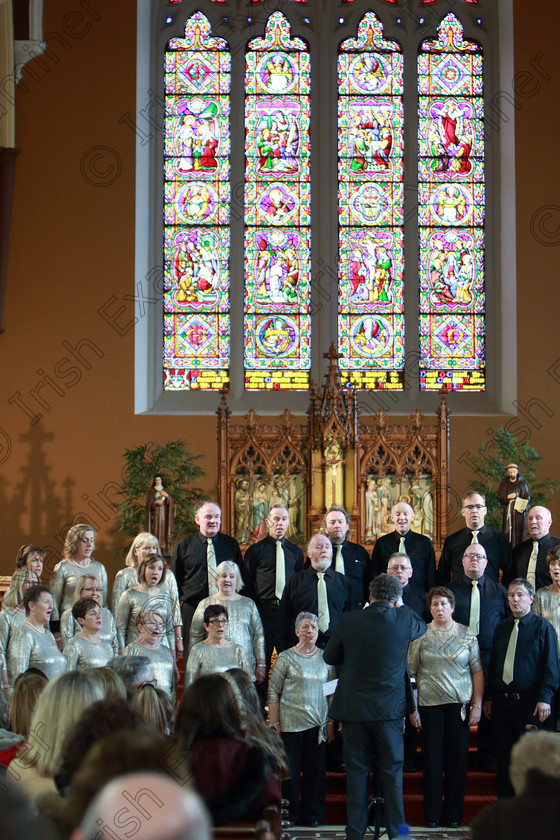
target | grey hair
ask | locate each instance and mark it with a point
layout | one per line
(534, 751)
(519, 581)
(402, 554)
(302, 616)
(229, 565)
(129, 668)
(385, 587)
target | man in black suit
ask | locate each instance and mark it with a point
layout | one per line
(494, 542)
(480, 604)
(371, 645)
(195, 559)
(529, 557)
(403, 540)
(413, 596)
(349, 558)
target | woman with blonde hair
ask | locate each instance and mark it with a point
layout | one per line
(59, 706)
(27, 689)
(150, 627)
(155, 708)
(13, 613)
(77, 560)
(88, 586)
(150, 594)
(145, 545)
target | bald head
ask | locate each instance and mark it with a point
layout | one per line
(539, 520)
(403, 516)
(149, 806)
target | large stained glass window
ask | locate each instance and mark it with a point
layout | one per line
(196, 210)
(277, 211)
(370, 152)
(451, 204)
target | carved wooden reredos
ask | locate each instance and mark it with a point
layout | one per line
(339, 456)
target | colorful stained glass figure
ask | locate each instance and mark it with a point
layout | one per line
(277, 211)
(196, 210)
(451, 201)
(370, 198)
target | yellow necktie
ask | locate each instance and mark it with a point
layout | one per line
(280, 570)
(509, 661)
(322, 603)
(211, 562)
(532, 567)
(339, 560)
(402, 549)
(474, 540)
(474, 616)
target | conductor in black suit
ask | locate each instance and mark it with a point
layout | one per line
(372, 646)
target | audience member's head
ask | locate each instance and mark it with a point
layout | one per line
(111, 684)
(209, 708)
(101, 719)
(170, 812)
(534, 753)
(19, 820)
(59, 706)
(155, 708)
(27, 689)
(113, 756)
(134, 671)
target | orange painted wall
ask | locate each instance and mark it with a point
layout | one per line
(72, 248)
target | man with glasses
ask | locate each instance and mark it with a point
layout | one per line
(523, 676)
(475, 532)
(413, 596)
(480, 604)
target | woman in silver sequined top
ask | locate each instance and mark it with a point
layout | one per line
(297, 708)
(446, 664)
(244, 624)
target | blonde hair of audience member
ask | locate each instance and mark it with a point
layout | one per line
(156, 709)
(111, 684)
(73, 537)
(27, 690)
(13, 597)
(534, 751)
(60, 704)
(140, 541)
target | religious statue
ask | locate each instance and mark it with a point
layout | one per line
(159, 513)
(514, 495)
(242, 511)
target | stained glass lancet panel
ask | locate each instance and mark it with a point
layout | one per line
(370, 162)
(451, 206)
(277, 211)
(196, 210)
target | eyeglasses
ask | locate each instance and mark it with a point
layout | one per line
(474, 507)
(475, 556)
(218, 622)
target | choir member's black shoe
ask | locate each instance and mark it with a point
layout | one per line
(432, 824)
(453, 824)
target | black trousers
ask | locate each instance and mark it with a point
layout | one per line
(445, 746)
(510, 718)
(307, 757)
